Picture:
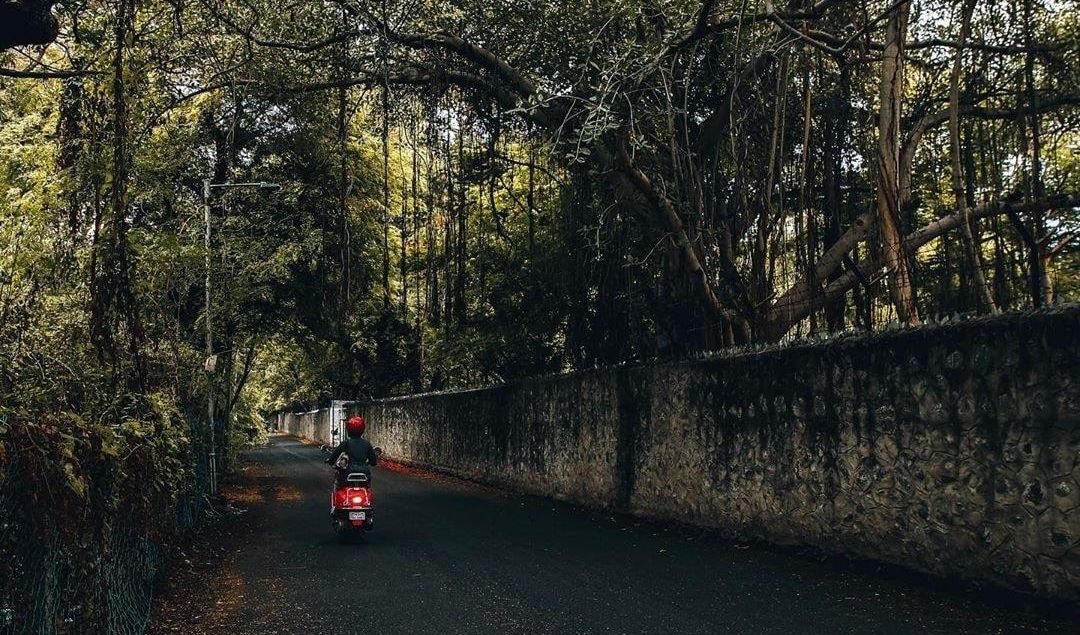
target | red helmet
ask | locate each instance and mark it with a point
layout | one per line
(355, 426)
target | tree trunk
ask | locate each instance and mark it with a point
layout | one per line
(901, 290)
(386, 196)
(975, 278)
(679, 236)
(403, 229)
(530, 200)
(1041, 288)
(343, 199)
(797, 302)
(835, 142)
(461, 270)
(113, 298)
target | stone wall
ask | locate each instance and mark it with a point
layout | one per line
(950, 449)
(313, 426)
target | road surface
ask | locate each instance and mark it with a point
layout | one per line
(452, 557)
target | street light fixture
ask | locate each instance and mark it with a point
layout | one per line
(211, 360)
(263, 186)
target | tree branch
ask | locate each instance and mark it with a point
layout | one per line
(801, 300)
(28, 74)
(675, 224)
(932, 120)
(475, 54)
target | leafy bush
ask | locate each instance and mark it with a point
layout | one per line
(89, 508)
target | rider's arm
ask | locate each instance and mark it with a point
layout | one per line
(337, 453)
(373, 456)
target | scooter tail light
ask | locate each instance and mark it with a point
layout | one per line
(352, 497)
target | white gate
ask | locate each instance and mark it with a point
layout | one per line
(337, 420)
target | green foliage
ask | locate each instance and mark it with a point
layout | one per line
(72, 474)
(474, 242)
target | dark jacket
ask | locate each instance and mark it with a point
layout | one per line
(360, 452)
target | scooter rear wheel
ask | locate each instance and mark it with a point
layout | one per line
(346, 532)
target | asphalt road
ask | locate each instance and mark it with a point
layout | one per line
(452, 557)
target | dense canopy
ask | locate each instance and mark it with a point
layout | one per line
(477, 191)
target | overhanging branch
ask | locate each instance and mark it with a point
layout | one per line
(32, 74)
(802, 299)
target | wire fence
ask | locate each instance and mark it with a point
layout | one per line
(88, 569)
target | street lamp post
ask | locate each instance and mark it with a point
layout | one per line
(211, 360)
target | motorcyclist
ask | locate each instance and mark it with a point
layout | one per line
(361, 453)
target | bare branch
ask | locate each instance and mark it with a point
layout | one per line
(678, 229)
(932, 120)
(800, 300)
(480, 56)
(29, 74)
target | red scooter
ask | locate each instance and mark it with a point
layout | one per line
(351, 507)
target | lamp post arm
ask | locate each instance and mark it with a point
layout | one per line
(262, 185)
